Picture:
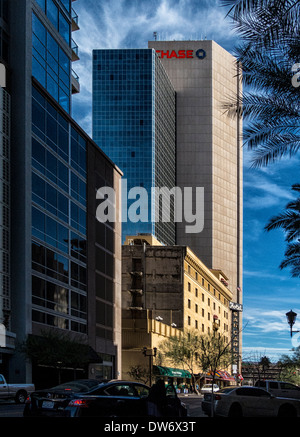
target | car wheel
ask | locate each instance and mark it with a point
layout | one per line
(235, 411)
(287, 411)
(21, 397)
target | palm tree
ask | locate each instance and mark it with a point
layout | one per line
(267, 56)
(269, 50)
(289, 221)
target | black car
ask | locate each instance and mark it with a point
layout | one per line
(124, 399)
(53, 401)
(110, 399)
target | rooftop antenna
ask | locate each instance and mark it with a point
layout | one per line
(155, 36)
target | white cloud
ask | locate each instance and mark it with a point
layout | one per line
(255, 353)
(130, 24)
(262, 192)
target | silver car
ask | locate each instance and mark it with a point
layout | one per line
(207, 388)
(248, 401)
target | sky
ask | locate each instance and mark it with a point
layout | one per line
(268, 292)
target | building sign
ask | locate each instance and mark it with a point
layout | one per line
(235, 306)
(182, 54)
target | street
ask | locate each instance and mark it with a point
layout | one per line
(11, 409)
(192, 401)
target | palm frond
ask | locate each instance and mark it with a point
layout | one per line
(292, 259)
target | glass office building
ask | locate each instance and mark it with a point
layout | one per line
(59, 278)
(60, 273)
(134, 123)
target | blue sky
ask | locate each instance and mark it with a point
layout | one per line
(268, 291)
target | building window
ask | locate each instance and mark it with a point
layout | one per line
(189, 286)
(50, 64)
(189, 320)
(196, 308)
(189, 303)
(196, 292)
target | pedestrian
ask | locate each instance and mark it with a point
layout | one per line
(157, 399)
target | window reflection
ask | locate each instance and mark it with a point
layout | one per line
(50, 64)
(58, 219)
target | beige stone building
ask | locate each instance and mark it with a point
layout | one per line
(166, 290)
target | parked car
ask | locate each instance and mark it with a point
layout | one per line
(207, 388)
(53, 401)
(114, 398)
(124, 399)
(280, 388)
(17, 392)
(250, 402)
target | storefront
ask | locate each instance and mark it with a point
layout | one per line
(222, 378)
(180, 378)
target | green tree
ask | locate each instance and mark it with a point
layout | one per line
(215, 353)
(182, 351)
(291, 366)
(265, 364)
(289, 221)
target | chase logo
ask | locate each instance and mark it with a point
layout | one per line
(181, 54)
(200, 54)
(2, 76)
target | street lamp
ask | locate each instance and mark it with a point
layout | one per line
(291, 318)
(150, 353)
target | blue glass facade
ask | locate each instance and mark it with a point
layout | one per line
(59, 278)
(50, 63)
(135, 129)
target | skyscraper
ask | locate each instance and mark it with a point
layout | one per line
(57, 281)
(134, 123)
(7, 339)
(209, 152)
(208, 148)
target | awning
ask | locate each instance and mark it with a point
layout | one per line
(222, 374)
(169, 371)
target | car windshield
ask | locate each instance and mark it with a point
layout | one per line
(226, 390)
(78, 386)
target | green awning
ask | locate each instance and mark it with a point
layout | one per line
(169, 371)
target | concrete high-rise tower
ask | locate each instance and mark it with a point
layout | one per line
(208, 148)
(209, 155)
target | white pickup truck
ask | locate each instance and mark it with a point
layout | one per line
(18, 392)
(280, 388)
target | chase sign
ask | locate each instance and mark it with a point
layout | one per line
(181, 54)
